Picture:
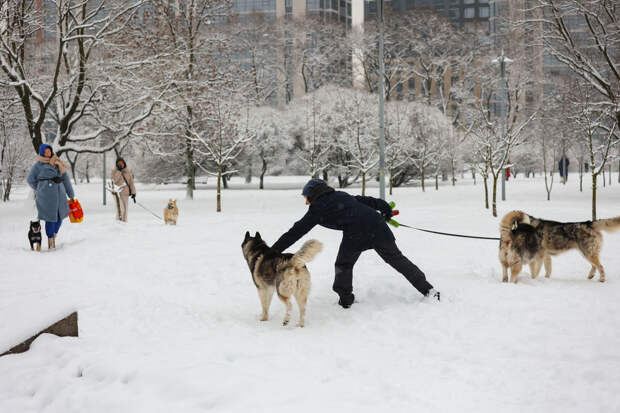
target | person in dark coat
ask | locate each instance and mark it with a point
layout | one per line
(49, 178)
(363, 229)
(563, 167)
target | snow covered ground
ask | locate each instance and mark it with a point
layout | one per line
(169, 317)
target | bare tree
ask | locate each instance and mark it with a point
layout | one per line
(68, 92)
(219, 134)
(356, 121)
(498, 132)
(583, 34)
(598, 135)
(311, 130)
(14, 151)
(190, 55)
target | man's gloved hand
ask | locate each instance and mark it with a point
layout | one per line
(133, 196)
(387, 213)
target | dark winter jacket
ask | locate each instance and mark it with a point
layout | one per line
(356, 216)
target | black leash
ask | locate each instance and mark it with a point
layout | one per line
(152, 213)
(448, 234)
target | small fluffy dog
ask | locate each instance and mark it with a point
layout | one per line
(34, 235)
(285, 273)
(528, 240)
(171, 212)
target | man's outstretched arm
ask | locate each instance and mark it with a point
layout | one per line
(298, 230)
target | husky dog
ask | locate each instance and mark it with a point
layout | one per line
(171, 212)
(34, 235)
(285, 273)
(520, 245)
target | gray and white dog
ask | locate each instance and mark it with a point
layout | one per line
(285, 273)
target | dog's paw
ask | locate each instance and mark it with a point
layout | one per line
(300, 324)
(264, 318)
(285, 322)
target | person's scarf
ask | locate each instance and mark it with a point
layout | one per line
(55, 162)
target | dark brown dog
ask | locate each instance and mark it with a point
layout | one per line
(285, 273)
(555, 238)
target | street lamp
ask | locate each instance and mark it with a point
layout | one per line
(381, 103)
(503, 61)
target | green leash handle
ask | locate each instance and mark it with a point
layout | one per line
(392, 221)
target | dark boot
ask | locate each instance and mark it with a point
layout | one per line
(346, 300)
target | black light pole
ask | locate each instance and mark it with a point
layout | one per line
(381, 102)
(104, 177)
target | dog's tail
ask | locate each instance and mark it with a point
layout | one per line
(306, 253)
(511, 220)
(609, 225)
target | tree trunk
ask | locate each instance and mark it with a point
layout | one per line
(580, 176)
(363, 183)
(604, 180)
(495, 194)
(225, 179)
(325, 177)
(391, 185)
(219, 190)
(262, 174)
(619, 171)
(473, 175)
(609, 173)
(248, 175)
(486, 192)
(190, 169)
(7, 184)
(87, 172)
(436, 182)
(594, 197)
(422, 171)
(452, 170)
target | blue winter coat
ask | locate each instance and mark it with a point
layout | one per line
(51, 197)
(356, 217)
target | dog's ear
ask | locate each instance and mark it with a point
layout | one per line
(257, 236)
(247, 236)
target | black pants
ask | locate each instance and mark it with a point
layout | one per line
(389, 252)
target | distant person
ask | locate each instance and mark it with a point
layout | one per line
(563, 167)
(363, 229)
(50, 181)
(121, 177)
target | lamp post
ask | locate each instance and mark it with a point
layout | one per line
(503, 61)
(104, 178)
(381, 103)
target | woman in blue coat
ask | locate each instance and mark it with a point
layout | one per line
(48, 177)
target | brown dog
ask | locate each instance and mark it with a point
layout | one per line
(528, 240)
(171, 212)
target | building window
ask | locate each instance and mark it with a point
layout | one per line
(469, 13)
(455, 14)
(469, 1)
(484, 11)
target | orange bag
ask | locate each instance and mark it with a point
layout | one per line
(76, 214)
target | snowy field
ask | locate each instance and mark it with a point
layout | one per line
(169, 316)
